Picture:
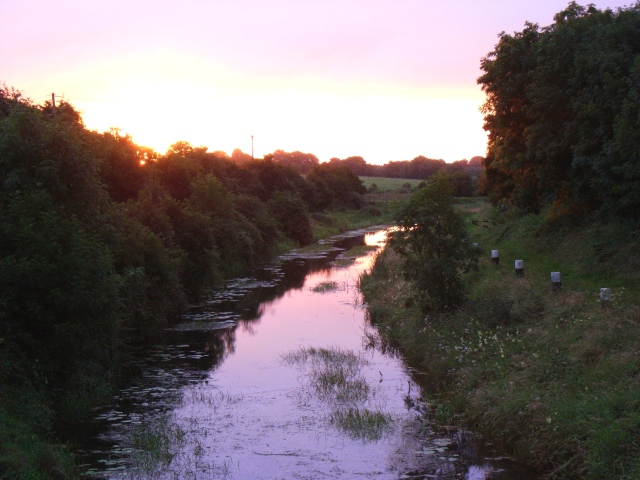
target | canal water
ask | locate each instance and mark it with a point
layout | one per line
(274, 377)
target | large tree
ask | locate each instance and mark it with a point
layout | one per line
(561, 112)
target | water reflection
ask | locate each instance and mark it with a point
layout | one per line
(216, 400)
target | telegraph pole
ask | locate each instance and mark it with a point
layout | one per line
(251, 146)
(53, 102)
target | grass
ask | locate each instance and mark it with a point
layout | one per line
(385, 184)
(325, 287)
(172, 448)
(336, 379)
(26, 420)
(332, 356)
(553, 377)
(328, 224)
(359, 250)
(25, 455)
(361, 423)
(335, 374)
(376, 212)
(154, 446)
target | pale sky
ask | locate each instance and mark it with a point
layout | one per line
(383, 79)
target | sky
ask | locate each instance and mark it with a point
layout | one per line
(382, 79)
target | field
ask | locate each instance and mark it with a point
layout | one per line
(385, 184)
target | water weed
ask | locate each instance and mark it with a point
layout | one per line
(168, 448)
(334, 376)
(361, 423)
(325, 287)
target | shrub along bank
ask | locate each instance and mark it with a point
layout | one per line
(553, 377)
(102, 242)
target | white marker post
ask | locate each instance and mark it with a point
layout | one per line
(605, 297)
(519, 267)
(556, 284)
(495, 256)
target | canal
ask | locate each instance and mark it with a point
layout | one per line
(274, 377)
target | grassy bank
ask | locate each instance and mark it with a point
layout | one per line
(378, 210)
(553, 377)
(327, 224)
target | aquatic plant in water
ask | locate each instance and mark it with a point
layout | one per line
(326, 287)
(335, 378)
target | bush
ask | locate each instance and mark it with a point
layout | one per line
(432, 239)
(291, 213)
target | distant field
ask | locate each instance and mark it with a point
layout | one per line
(387, 184)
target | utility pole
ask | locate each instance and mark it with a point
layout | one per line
(252, 146)
(53, 103)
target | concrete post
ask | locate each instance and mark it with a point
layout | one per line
(605, 297)
(519, 267)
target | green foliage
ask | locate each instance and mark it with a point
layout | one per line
(549, 376)
(275, 177)
(58, 286)
(150, 289)
(104, 242)
(120, 164)
(301, 162)
(38, 152)
(432, 239)
(340, 187)
(291, 214)
(462, 184)
(562, 115)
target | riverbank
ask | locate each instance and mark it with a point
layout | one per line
(550, 376)
(30, 444)
(377, 211)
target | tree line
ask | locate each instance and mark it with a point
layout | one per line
(103, 241)
(563, 113)
(463, 174)
(420, 168)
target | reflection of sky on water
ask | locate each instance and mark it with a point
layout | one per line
(477, 473)
(220, 380)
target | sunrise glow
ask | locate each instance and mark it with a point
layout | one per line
(383, 80)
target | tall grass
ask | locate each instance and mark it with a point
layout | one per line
(553, 377)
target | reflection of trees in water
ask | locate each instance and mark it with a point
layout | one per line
(253, 305)
(179, 358)
(216, 345)
(219, 344)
